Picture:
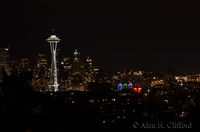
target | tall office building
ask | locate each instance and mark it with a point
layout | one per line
(42, 69)
(41, 72)
(25, 63)
(66, 65)
(88, 70)
(76, 63)
(65, 71)
(89, 63)
(4, 61)
(123, 74)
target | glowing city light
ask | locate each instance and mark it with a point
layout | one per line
(75, 52)
(130, 85)
(125, 85)
(135, 89)
(139, 89)
(119, 85)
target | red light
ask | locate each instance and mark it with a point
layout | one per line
(53, 30)
(22, 59)
(135, 89)
(36, 58)
(88, 57)
(139, 89)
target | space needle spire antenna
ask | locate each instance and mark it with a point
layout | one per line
(53, 84)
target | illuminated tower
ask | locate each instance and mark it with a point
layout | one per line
(53, 40)
(76, 63)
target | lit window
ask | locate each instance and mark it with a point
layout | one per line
(113, 99)
(72, 102)
(91, 101)
(104, 121)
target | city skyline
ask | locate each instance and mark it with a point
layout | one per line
(150, 36)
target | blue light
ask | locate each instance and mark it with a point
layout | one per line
(119, 85)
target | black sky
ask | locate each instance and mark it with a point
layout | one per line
(147, 35)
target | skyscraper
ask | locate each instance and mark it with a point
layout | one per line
(53, 40)
(25, 63)
(89, 63)
(41, 72)
(76, 63)
(42, 69)
(4, 61)
(88, 70)
(65, 71)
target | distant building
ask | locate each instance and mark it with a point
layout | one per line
(89, 64)
(4, 61)
(169, 77)
(76, 63)
(25, 63)
(138, 79)
(42, 68)
(123, 74)
(88, 70)
(95, 72)
(41, 73)
(65, 71)
(14, 64)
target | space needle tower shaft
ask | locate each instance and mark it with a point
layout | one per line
(53, 40)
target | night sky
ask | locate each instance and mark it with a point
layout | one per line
(143, 35)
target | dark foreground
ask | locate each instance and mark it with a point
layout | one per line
(67, 111)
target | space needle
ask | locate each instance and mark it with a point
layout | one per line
(53, 84)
